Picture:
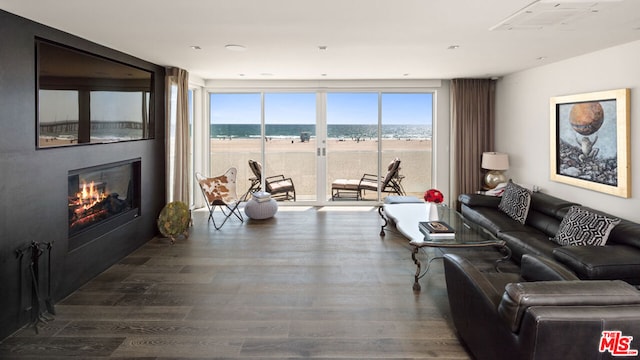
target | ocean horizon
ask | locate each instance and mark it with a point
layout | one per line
(290, 131)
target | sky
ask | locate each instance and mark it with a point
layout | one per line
(342, 108)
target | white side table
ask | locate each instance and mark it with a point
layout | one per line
(261, 207)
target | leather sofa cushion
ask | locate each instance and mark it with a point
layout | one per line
(537, 268)
(528, 241)
(550, 205)
(518, 297)
(479, 200)
(602, 262)
(543, 222)
(491, 219)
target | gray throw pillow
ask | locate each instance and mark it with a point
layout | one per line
(515, 202)
(583, 227)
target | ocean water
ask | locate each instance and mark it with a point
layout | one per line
(333, 131)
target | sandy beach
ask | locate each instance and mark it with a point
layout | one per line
(345, 159)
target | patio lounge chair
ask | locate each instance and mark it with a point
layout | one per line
(354, 189)
(278, 186)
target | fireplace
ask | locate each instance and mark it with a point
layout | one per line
(101, 198)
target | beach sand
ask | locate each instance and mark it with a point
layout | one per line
(348, 159)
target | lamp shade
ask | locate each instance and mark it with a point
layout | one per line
(495, 161)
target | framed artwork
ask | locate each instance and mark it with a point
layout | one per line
(590, 141)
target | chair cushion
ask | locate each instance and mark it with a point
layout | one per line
(583, 227)
(518, 297)
(345, 184)
(601, 262)
(538, 268)
(515, 202)
(280, 186)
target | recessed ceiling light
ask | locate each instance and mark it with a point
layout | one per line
(540, 58)
(195, 47)
(322, 47)
(453, 47)
(235, 47)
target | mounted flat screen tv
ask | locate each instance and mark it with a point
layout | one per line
(85, 98)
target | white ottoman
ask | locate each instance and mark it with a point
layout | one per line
(260, 210)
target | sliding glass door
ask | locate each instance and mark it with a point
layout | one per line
(352, 140)
(315, 138)
(290, 140)
(368, 131)
(406, 134)
(235, 135)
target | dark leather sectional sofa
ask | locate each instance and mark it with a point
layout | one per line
(567, 302)
(619, 259)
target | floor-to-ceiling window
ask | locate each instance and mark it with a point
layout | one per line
(406, 134)
(290, 140)
(352, 136)
(317, 137)
(235, 135)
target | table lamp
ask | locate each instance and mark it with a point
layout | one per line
(496, 163)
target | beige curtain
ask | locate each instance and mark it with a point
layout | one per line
(473, 125)
(177, 145)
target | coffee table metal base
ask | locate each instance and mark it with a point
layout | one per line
(416, 249)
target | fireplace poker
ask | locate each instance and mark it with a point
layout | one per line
(35, 255)
(48, 302)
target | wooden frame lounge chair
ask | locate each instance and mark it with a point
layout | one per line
(354, 189)
(278, 186)
(220, 191)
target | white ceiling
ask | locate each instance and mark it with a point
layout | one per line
(365, 39)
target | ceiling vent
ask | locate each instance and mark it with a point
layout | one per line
(562, 14)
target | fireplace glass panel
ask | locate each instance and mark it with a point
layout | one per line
(99, 194)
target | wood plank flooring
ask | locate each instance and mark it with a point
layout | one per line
(308, 283)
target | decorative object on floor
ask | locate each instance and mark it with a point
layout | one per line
(496, 163)
(174, 220)
(261, 206)
(590, 144)
(433, 197)
(220, 191)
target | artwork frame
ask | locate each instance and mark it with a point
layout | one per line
(590, 146)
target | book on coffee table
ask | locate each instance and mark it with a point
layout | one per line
(437, 230)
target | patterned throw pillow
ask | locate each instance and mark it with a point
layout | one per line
(515, 202)
(583, 227)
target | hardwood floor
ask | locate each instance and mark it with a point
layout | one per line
(309, 283)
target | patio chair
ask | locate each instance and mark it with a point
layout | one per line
(278, 186)
(354, 189)
(220, 191)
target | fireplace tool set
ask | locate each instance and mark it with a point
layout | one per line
(38, 313)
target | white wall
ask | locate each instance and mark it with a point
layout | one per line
(523, 124)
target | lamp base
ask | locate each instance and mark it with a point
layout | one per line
(493, 178)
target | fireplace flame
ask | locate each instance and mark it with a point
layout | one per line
(88, 197)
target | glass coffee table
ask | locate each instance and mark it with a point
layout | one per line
(467, 234)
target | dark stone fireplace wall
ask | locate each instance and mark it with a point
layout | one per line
(33, 183)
